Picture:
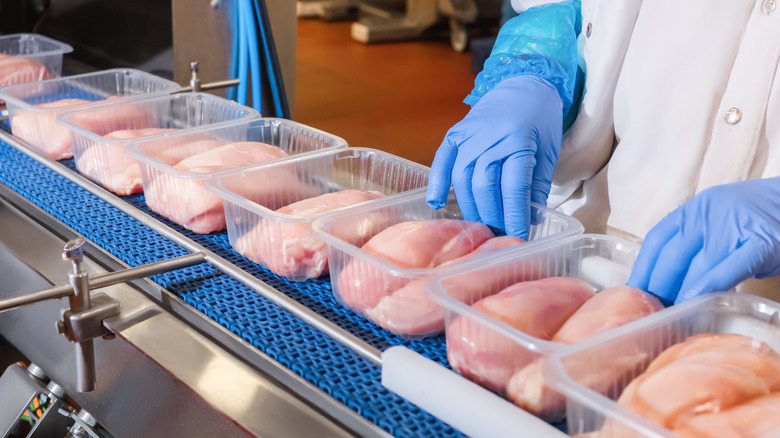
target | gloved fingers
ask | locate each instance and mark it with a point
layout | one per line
(486, 187)
(540, 188)
(718, 275)
(462, 175)
(546, 159)
(515, 185)
(493, 182)
(672, 264)
(651, 248)
(440, 178)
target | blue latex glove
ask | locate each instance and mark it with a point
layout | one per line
(712, 242)
(501, 156)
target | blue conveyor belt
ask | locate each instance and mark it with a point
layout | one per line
(333, 368)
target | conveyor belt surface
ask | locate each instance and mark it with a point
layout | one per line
(335, 369)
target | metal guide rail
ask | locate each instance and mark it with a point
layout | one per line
(299, 325)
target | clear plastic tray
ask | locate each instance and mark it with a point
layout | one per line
(37, 125)
(592, 374)
(601, 261)
(281, 241)
(103, 160)
(547, 225)
(181, 195)
(34, 58)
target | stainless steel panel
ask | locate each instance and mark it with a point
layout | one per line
(159, 377)
(202, 32)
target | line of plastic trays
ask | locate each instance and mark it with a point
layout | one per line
(247, 199)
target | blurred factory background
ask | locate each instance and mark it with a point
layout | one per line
(387, 74)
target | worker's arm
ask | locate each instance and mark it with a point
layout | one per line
(714, 241)
(541, 41)
(501, 156)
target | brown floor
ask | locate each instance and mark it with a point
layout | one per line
(399, 97)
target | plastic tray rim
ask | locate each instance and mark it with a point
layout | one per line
(394, 270)
(63, 47)
(215, 186)
(435, 291)
(89, 105)
(132, 149)
(64, 119)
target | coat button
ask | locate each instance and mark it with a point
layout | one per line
(733, 116)
(589, 28)
(768, 6)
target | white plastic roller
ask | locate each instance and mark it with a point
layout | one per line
(457, 401)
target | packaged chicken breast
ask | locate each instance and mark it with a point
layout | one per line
(709, 367)
(505, 315)
(273, 230)
(176, 169)
(384, 277)
(100, 135)
(29, 57)
(34, 107)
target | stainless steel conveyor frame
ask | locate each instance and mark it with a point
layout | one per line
(146, 315)
(292, 306)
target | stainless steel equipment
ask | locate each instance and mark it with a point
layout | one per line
(170, 371)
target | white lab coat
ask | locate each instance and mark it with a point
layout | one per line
(661, 78)
(679, 96)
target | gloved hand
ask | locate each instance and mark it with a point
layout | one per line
(501, 156)
(716, 239)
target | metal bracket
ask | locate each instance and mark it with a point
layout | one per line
(88, 324)
(83, 321)
(197, 86)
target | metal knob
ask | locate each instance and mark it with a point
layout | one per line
(195, 80)
(74, 251)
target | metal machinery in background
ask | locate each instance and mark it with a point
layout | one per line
(380, 21)
(163, 38)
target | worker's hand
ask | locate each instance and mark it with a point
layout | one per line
(715, 240)
(501, 156)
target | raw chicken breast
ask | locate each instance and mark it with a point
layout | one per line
(41, 131)
(19, 70)
(109, 166)
(407, 311)
(175, 149)
(757, 418)
(288, 249)
(121, 121)
(698, 381)
(188, 203)
(230, 156)
(607, 310)
(413, 244)
(538, 308)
